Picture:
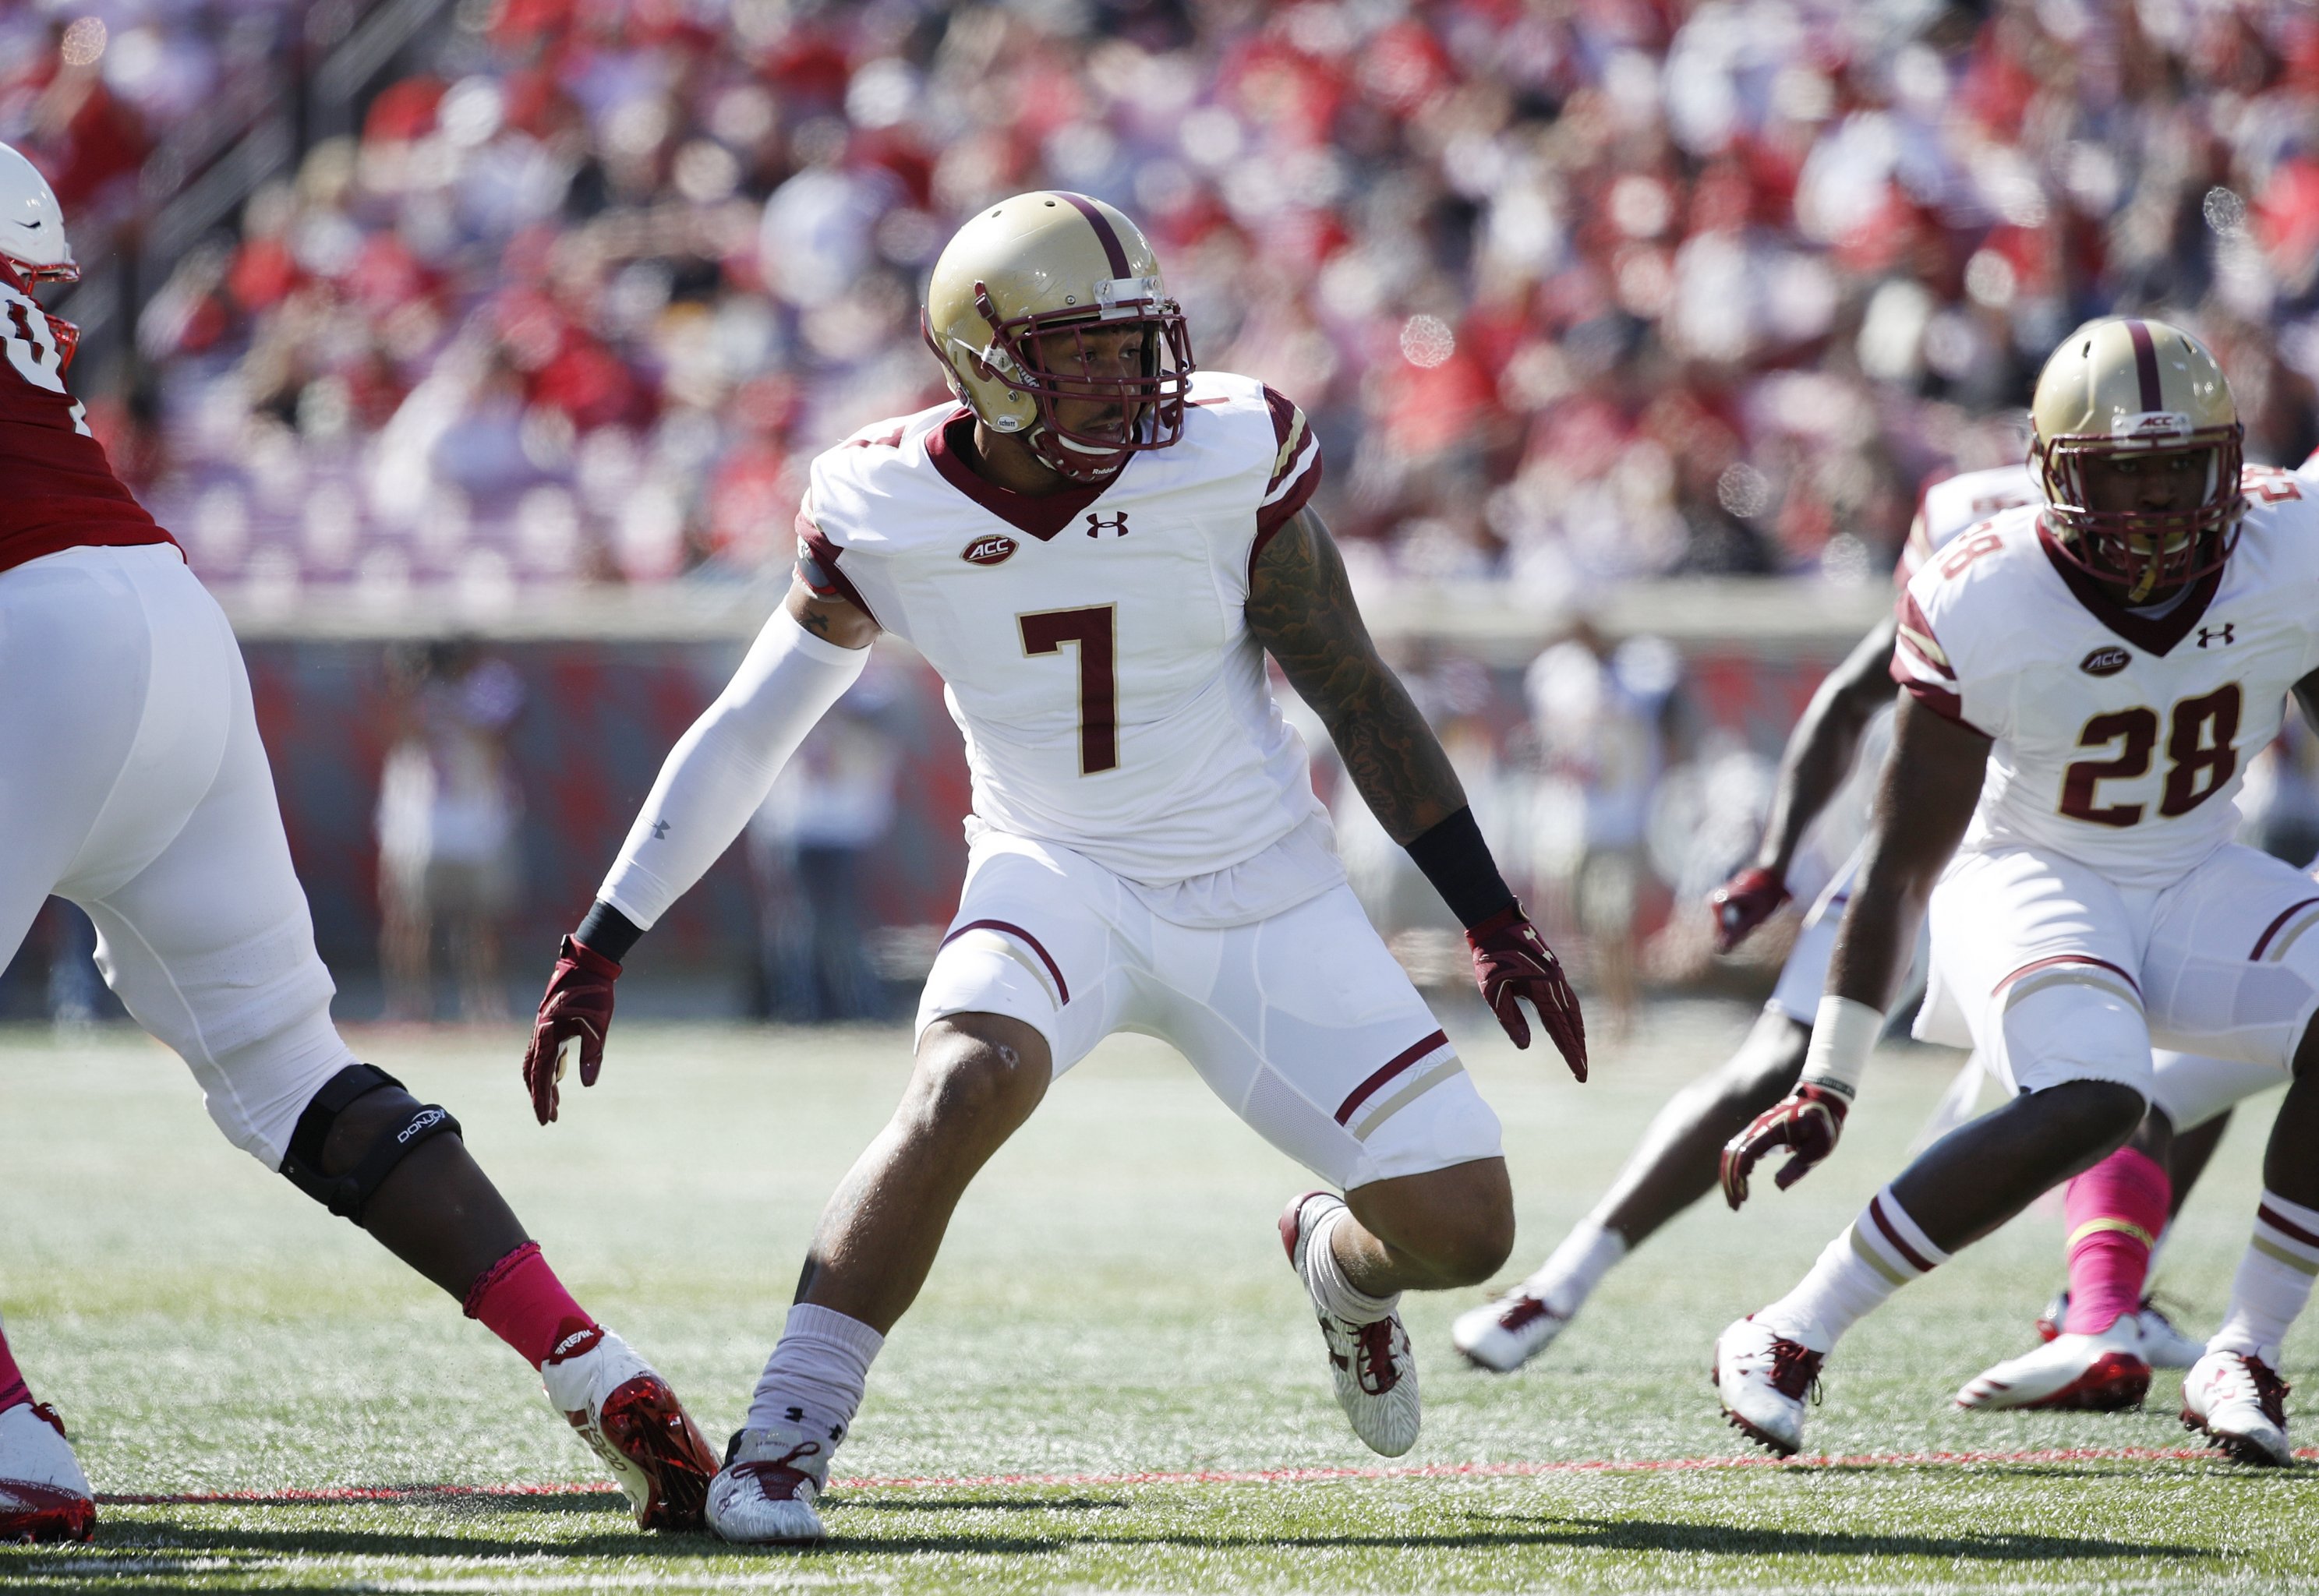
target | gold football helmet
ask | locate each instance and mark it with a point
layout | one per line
(2127, 387)
(1045, 263)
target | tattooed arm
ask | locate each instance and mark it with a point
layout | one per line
(1300, 606)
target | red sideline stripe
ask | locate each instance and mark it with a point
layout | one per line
(1400, 1061)
(2272, 930)
(2145, 365)
(1063, 987)
(1253, 1477)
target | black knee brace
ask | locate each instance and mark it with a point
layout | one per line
(347, 1194)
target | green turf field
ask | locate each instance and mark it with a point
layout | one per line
(1113, 1306)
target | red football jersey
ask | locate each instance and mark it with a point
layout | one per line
(60, 490)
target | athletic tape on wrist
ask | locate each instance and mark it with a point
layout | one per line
(1844, 1033)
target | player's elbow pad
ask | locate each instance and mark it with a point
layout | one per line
(721, 770)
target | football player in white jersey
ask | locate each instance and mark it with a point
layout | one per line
(2084, 681)
(1096, 547)
(133, 783)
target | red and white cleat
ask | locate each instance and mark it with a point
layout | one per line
(1371, 1365)
(629, 1416)
(43, 1494)
(2241, 1404)
(1504, 1335)
(2099, 1374)
(1763, 1380)
(764, 1495)
(2163, 1344)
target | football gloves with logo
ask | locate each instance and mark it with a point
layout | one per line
(577, 1007)
(1806, 1122)
(1743, 902)
(1511, 962)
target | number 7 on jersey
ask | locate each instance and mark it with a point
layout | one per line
(1094, 629)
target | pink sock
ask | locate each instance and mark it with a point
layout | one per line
(2116, 1210)
(522, 1303)
(13, 1389)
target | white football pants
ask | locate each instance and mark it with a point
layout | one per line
(133, 783)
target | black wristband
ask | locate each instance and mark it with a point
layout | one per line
(1458, 861)
(607, 931)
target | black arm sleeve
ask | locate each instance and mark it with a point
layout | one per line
(608, 931)
(1458, 861)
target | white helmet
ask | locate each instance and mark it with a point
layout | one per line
(31, 223)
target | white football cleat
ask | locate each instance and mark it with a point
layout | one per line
(631, 1419)
(1763, 1380)
(764, 1495)
(1504, 1335)
(2241, 1404)
(2099, 1374)
(43, 1494)
(1374, 1370)
(2163, 1346)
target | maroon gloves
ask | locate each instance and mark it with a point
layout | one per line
(1743, 902)
(1511, 962)
(1806, 1122)
(577, 1005)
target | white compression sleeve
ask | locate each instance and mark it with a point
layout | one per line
(720, 770)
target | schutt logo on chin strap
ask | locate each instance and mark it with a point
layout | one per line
(1114, 525)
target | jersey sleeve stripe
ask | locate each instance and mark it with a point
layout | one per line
(826, 555)
(1917, 640)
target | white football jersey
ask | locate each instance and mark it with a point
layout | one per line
(1949, 506)
(1093, 644)
(2119, 737)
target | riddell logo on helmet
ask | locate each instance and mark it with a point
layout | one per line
(990, 549)
(2106, 661)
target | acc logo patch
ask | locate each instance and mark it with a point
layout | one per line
(990, 549)
(2106, 661)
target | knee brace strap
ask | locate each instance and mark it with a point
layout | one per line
(346, 1195)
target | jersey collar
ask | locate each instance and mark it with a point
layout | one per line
(2151, 634)
(1041, 516)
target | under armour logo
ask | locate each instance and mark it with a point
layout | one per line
(660, 829)
(1114, 525)
(2221, 634)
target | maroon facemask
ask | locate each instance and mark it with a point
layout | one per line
(2149, 553)
(1149, 407)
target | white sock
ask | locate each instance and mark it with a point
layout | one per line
(2274, 1280)
(1325, 1276)
(1570, 1274)
(814, 1380)
(1878, 1254)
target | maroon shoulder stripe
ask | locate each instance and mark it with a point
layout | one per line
(1108, 236)
(1876, 1213)
(2292, 1232)
(2038, 964)
(1913, 626)
(1401, 1061)
(826, 555)
(1063, 987)
(2145, 364)
(2272, 930)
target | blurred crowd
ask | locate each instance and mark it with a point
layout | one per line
(1575, 291)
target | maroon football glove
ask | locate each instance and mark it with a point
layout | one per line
(1806, 1122)
(1743, 902)
(578, 1007)
(1512, 961)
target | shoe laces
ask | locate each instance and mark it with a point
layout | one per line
(1795, 1370)
(2269, 1390)
(1523, 1312)
(1373, 1360)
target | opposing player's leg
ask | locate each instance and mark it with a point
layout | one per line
(203, 933)
(1024, 986)
(1673, 1167)
(2038, 954)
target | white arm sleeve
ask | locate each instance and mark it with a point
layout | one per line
(720, 770)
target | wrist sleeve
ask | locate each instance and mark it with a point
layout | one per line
(720, 770)
(1844, 1033)
(607, 931)
(1458, 861)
